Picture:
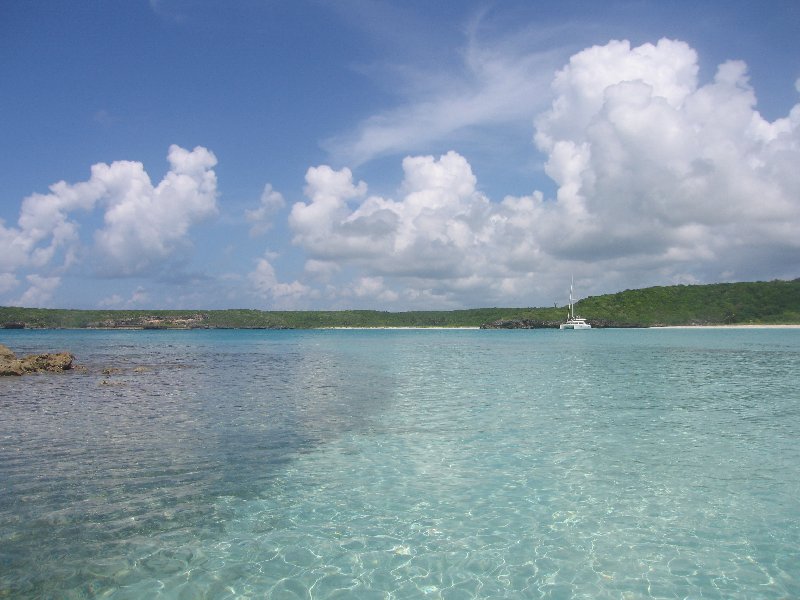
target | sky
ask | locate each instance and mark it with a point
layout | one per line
(394, 154)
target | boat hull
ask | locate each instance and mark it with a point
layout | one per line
(577, 325)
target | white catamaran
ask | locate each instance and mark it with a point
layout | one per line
(573, 322)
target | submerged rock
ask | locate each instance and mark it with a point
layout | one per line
(35, 363)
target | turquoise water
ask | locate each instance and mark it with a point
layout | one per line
(403, 464)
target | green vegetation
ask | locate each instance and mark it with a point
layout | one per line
(241, 318)
(771, 302)
(762, 303)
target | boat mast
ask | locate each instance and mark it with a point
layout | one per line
(571, 311)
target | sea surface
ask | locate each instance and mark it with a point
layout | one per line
(387, 464)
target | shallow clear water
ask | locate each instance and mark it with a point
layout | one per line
(403, 464)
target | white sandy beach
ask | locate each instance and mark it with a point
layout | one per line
(412, 328)
(740, 326)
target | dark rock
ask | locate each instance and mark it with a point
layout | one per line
(521, 324)
(608, 324)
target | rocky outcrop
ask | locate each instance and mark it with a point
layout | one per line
(521, 324)
(609, 324)
(186, 321)
(35, 363)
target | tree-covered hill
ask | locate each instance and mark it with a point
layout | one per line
(773, 302)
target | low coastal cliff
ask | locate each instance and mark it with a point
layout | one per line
(521, 324)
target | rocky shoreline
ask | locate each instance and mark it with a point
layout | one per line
(535, 324)
(34, 363)
(520, 324)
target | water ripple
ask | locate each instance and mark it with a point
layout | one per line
(631, 464)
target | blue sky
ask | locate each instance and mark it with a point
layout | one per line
(393, 155)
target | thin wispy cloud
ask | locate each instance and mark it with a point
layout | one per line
(485, 83)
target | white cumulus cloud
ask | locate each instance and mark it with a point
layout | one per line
(373, 288)
(264, 281)
(7, 282)
(436, 233)
(261, 218)
(40, 291)
(650, 164)
(144, 225)
(138, 298)
(660, 178)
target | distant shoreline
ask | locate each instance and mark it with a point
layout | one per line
(412, 327)
(651, 327)
(740, 326)
(715, 305)
(389, 327)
